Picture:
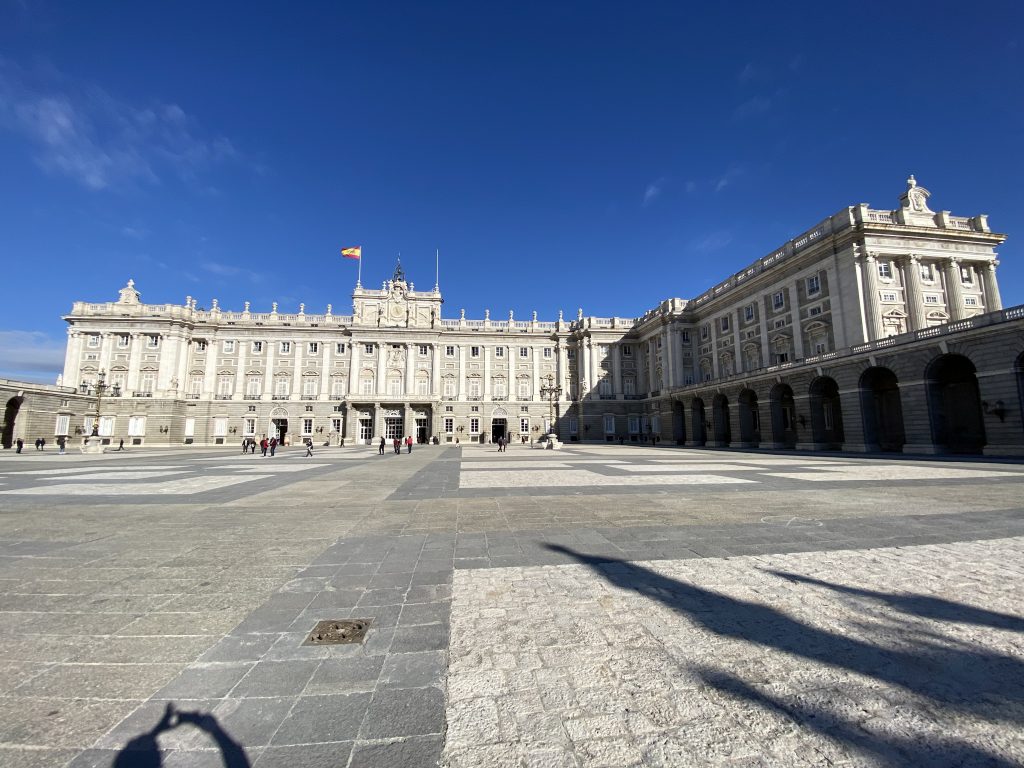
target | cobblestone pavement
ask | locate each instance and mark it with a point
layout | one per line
(599, 606)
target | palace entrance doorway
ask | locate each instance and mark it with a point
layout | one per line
(499, 429)
(10, 416)
(278, 429)
(421, 429)
(394, 426)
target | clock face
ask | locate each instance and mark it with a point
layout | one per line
(397, 311)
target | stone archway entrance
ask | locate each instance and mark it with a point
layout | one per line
(499, 425)
(954, 404)
(278, 425)
(882, 411)
(783, 416)
(750, 419)
(720, 420)
(10, 418)
(826, 415)
(700, 433)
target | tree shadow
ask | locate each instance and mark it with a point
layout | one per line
(144, 751)
(985, 684)
(925, 606)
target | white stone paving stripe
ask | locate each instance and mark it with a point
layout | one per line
(583, 478)
(184, 487)
(896, 472)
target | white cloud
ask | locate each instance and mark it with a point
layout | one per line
(30, 355)
(748, 73)
(757, 105)
(728, 178)
(711, 242)
(82, 132)
(228, 270)
(653, 191)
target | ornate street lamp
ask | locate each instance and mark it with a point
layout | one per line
(551, 391)
(101, 387)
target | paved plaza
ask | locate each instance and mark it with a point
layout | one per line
(596, 606)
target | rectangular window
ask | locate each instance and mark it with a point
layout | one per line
(307, 426)
(474, 351)
(888, 296)
(524, 351)
(148, 382)
(547, 353)
(421, 387)
(220, 426)
(190, 427)
(257, 347)
(748, 312)
(686, 337)
(122, 341)
(570, 354)
(368, 349)
(449, 351)
(254, 386)
(820, 348)
(474, 426)
(627, 351)
(339, 348)
(814, 311)
(609, 424)
(249, 426)
(724, 323)
(195, 385)
(970, 301)
(63, 424)
(966, 275)
(313, 348)
(931, 298)
(573, 425)
(366, 386)
(813, 285)
(224, 385)
(229, 346)
(449, 425)
(286, 347)
(336, 425)
(94, 341)
(449, 387)
(778, 300)
(423, 350)
(704, 332)
(309, 387)
(885, 269)
(499, 351)
(200, 346)
(474, 387)
(523, 390)
(634, 425)
(499, 388)
(152, 342)
(780, 323)
(281, 387)
(524, 425)
(629, 386)
(926, 272)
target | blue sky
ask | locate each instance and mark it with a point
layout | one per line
(602, 155)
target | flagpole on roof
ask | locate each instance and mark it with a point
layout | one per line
(437, 270)
(359, 271)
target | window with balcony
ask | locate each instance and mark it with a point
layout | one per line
(310, 386)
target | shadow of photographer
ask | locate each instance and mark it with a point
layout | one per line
(144, 750)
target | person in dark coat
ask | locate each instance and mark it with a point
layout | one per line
(381, 451)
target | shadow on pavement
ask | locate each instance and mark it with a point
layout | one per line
(983, 684)
(144, 752)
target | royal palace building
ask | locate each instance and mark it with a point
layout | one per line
(875, 330)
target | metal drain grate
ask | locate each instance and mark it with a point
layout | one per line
(338, 631)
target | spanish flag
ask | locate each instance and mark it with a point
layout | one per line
(352, 253)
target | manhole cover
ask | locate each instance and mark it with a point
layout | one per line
(337, 631)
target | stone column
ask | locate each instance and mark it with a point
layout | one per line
(106, 342)
(325, 371)
(562, 371)
(239, 393)
(713, 334)
(766, 350)
(740, 365)
(460, 391)
(72, 359)
(353, 375)
(487, 371)
(652, 351)
(993, 301)
(268, 373)
(616, 352)
(381, 384)
(794, 313)
(954, 290)
(914, 298)
(135, 360)
(184, 353)
(410, 369)
(536, 353)
(872, 304)
(435, 376)
(297, 374)
(668, 372)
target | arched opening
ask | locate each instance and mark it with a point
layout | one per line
(678, 422)
(826, 414)
(783, 416)
(750, 419)
(10, 417)
(720, 420)
(882, 411)
(954, 404)
(700, 433)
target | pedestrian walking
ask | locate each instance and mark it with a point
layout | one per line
(381, 451)
(42, 443)
(245, 445)
(60, 445)
(19, 444)
(408, 444)
(273, 445)
(263, 445)
(309, 447)
(397, 445)
(120, 445)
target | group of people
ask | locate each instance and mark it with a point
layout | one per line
(265, 445)
(397, 443)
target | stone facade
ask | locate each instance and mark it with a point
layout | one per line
(886, 294)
